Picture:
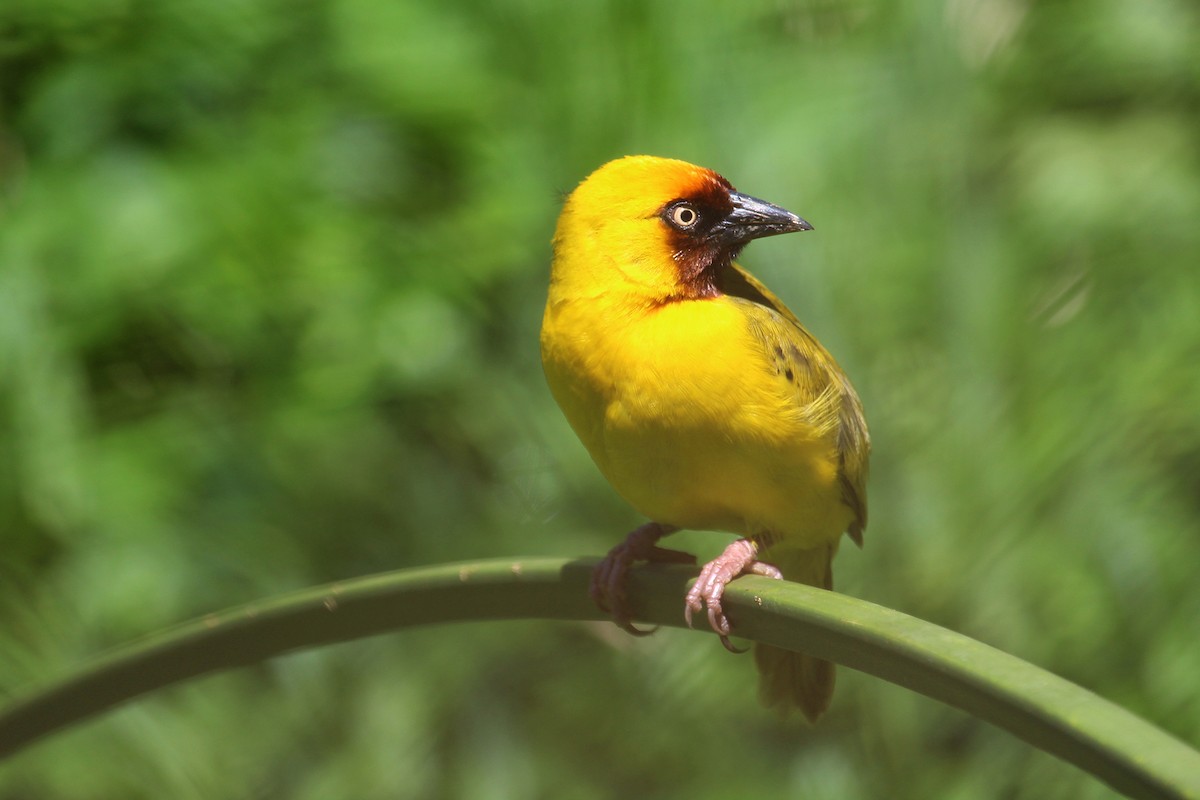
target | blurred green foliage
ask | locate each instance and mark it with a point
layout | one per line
(271, 277)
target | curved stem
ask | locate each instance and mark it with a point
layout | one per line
(1050, 713)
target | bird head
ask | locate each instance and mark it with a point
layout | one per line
(659, 228)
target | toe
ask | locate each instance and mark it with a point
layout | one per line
(692, 604)
(766, 570)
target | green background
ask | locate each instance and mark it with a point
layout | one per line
(271, 276)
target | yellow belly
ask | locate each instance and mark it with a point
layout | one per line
(685, 415)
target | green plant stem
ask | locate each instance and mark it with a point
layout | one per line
(1050, 713)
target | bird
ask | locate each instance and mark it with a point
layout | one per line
(701, 397)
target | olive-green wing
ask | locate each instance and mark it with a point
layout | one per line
(817, 378)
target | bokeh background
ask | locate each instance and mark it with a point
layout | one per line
(271, 276)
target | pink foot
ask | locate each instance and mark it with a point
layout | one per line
(739, 558)
(607, 588)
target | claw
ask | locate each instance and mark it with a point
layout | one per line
(630, 628)
(717, 619)
(737, 651)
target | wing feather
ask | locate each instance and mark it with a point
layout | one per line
(831, 402)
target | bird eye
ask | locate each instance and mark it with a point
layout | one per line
(683, 216)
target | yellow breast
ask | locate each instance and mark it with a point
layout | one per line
(692, 421)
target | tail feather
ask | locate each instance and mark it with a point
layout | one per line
(787, 679)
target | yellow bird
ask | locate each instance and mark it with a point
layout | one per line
(700, 396)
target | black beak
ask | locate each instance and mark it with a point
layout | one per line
(752, 218)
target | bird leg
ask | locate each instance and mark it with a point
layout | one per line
(608, 578)
(739, 558)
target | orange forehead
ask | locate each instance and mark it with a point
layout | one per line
(643, 184)
(707, 188)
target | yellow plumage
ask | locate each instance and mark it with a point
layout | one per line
(698, 394)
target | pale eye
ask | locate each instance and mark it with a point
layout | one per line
(684, 216)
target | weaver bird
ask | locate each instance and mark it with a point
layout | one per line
(700, 396)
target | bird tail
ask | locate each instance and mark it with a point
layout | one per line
(787, 679)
